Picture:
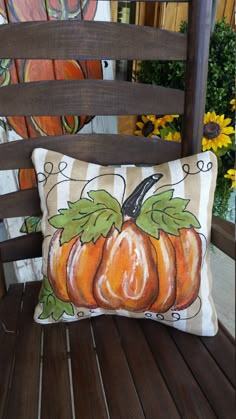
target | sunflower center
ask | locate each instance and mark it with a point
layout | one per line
(147, 128)
(211, 130)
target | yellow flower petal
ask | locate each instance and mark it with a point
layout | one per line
(151, 117)
(173, 136)
(226, 139)
(226, 122)
(220, 119)
(213, 116)
(140, 125)
(214, 146)
(231, 175)
(232, 102)
(232, 172)
(228, 130)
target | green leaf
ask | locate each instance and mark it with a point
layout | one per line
(163, 212)
(165, 131)
(89, 218)
(53, 306)
(31, 225)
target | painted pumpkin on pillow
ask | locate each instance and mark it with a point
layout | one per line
(143, 256)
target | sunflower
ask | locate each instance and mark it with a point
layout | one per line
(216, 131)
(166, 118)
(148, 126)
(232, 102)
(231, 174)
(173, 136)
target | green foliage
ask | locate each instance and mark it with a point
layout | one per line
(221, 72)
(90, 218)
(220, 85)
(163, 212)
(222, 192)
(52, 306)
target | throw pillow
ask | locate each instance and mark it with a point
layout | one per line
(131, 241)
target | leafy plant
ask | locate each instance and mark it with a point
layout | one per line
(220, 83)
(219, 94)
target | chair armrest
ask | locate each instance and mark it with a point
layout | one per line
(222, 235)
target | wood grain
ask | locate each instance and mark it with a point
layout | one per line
(103, 149)
(145, 372)
(2, 280)
(23, 247)
(88, 395)
(56, 392)
(21, 203)
(62, 40)
(9, 314)
(147, 369)
(215, 345)
(122, 398)
(89, 97)
(182, 385)
(24, 394)
(199, 24)
(209, 376)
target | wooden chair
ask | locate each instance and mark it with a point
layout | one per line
(107, 367)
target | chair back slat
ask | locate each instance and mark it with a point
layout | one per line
(103, 149)
(20, 204)
(23, 247)
(86, 97)
(62, 40)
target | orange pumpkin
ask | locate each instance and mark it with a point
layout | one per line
(130, 269)
(70, 270)
(26, 10)
(126, 277)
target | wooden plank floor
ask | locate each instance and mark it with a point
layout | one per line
(110, 367)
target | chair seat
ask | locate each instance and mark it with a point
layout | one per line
(109, 367)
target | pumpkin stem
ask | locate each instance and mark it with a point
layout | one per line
(132, 204)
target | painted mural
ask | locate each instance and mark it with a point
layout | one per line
(18, 71)
(36, 70)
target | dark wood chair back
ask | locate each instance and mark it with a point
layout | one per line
(110, 41)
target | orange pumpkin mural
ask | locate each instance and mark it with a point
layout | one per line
(27, 10)
(138, 257)
(36, 70)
